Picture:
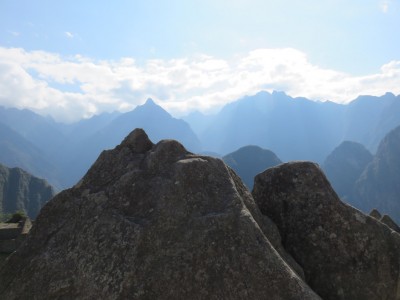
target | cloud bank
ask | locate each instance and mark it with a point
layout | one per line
(71, 88)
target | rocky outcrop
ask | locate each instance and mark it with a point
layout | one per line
(21, 191)
(388, 221)
(153, 222)
(248, 161)
(13, 233)
(375, 214)
(385, 219)
(344, 253)
(378, 186)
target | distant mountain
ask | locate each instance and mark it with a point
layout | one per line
(38, 130)
(294, 128)
(16, 151)
(249, 161)
(85, 128)
(158, 123)
(344, 166)
(198, 121)
(368, 119)
(298, 128)
(379, 185)
(19, 190)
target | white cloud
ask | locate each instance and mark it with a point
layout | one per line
(35, 80)
(384, 5)
(14, 33)
(69, 35)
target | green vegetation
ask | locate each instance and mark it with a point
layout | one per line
(15, 217)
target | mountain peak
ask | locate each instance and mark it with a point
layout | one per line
(150, 101)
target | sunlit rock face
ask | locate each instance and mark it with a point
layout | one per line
(153, 222)
(344, 253)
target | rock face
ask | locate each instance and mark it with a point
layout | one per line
(248, 161)
(385, 219)
(378, 186)
(20, 190)
(153, 222)
(344, 166)
(344, 253)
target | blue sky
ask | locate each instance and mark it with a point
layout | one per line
(343, 46)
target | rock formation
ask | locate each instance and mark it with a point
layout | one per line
(153, 222)
(385, 219)
(20, 190)
(13, 233)
(375, 214)
(248, 161)
(345, 254)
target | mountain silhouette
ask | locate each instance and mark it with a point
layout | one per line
(379, 184)
(248, 161)
(16, 151)
(42, 132)
(293, 128)
(298, 128)
(344, 166)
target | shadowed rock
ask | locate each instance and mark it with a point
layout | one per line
(375, 214)
(378, 186)
(389, 222)
(344, 253)
(153, 222)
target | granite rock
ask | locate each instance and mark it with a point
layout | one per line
(344, 253)
(153, 222)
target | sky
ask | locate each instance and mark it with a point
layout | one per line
(73, 59)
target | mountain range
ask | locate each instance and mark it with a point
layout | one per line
(62, 153)
(368, 181)
(297, 128)
(293, 128)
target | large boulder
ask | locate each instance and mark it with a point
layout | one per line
(344, 253)
(153, 222)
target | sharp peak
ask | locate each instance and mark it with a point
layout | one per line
(150, 101)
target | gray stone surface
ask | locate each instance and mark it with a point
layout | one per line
(387, 220)
(375, 214)
(153, 222)
(344, 253)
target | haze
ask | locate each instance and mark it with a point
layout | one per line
(71, 60)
